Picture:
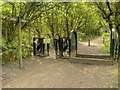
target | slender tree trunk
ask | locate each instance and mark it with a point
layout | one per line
(52, 27)
(20, 40)
(57, 28)
(20, 44)
(67, 26)
(67, 23)
(40, 28)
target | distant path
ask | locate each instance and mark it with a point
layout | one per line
(94, 47)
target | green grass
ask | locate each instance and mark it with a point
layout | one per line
(106, 46)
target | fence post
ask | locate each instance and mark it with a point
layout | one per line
(89, 42)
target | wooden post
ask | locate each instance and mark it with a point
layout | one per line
(20, 44)
(89, 42)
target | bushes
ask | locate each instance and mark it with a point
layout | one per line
(106, 46)
(84, 37)
(9, 50)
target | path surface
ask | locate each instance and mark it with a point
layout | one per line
(51, 73)
(94, 47)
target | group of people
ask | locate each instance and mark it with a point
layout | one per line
(42, 44)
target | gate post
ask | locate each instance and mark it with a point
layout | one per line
(69, 47)
(112, 43)
(60, 47)
(56, 47)
(72, 44)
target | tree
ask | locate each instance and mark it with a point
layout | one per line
(111, 13)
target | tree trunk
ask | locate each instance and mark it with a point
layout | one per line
(20, 44)
(52, 27)
(67, 27)
(67, 21)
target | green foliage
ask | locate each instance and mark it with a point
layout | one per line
(81, 36)
(9, 51)
(53, 18)
(106, 46)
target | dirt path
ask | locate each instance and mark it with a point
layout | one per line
(51, 73)
(94, 47)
